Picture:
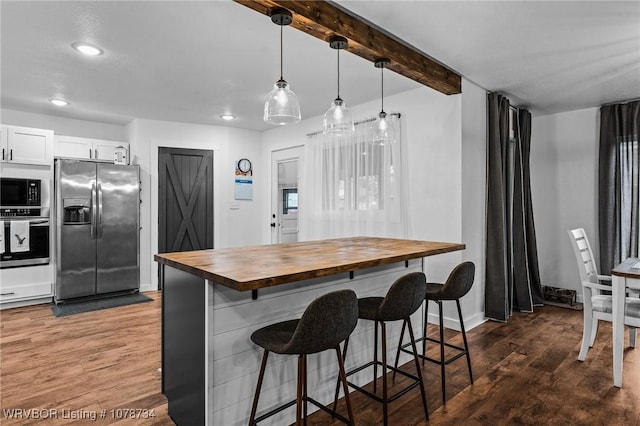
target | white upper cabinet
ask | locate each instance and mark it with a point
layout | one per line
(105, 150)
(24, 145)
(90, 149)
(73, 147)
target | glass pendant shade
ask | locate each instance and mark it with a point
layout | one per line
(382, 132)
(281, 105)
(338, 120)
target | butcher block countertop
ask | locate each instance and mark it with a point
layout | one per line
(251, 268)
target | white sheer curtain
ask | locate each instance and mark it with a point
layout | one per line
(353, 187)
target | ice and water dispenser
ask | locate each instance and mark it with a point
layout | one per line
(77, 211)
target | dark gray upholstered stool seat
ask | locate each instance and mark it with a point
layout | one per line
(457, 285)
(326, 322)
(368, 307)
(404, 297)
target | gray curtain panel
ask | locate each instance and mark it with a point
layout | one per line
(527, 287)
(512, 278)
(618, 189)
(498, 275)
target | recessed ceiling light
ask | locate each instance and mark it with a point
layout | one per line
(59, 102)
(87, 49)
(228, 117)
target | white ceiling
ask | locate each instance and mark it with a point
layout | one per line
(192, 61)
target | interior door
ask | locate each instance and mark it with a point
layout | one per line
(185, 199)
(285, 213)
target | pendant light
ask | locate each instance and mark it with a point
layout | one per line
(382, 131)
(281, 105)
(337, 119)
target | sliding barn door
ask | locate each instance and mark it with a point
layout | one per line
(185, 199)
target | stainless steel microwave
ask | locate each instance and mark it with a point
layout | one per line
(16, 192)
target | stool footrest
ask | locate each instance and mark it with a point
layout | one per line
(307, 399)
(275, 411)
(447, 361)
(416, 382)
(328, 410)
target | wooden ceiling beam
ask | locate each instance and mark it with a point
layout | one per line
(323, 20)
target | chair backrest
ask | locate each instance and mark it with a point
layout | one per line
(404, 297)
(326, 322)
(584, 255)
(459, 282)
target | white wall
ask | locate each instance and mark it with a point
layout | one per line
(65, 126)
(564, 165)
(474, 142)
(237, 227)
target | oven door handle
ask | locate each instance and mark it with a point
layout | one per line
(94, 211)
(32, 222)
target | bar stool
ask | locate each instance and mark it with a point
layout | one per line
(457, 285)
(403, 298)
(325, 323)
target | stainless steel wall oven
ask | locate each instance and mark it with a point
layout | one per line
(24, 222)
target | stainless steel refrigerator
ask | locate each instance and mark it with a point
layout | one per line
(97, 229)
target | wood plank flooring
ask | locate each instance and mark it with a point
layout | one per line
(525, 371)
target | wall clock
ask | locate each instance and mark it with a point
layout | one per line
(244, 165)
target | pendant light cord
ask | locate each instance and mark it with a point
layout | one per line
(338, 73)
(281, 52)
(382, 87)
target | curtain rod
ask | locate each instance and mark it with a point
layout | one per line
(367, 120)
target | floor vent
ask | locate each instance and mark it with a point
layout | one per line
(563, 297)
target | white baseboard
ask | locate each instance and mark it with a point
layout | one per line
(470, 322)
(147, 287)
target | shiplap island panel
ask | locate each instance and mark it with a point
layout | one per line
(210, 366)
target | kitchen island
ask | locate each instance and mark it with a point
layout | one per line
(210, 308)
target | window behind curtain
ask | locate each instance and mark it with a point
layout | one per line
(358, 178)
(629, 193)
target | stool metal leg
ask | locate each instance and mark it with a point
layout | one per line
(464, 338)
(418, 369)
(395, 365)
(375, 356)
(343, 379)
(344, 356)
(299, 392)
(424, 330)
(442, 360)
(304, 389)
(385, 401)
(254, 407)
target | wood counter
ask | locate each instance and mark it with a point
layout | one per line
(251, 268)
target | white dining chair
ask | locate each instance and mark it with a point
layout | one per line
(597, 305)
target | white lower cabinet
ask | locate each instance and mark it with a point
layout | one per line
(26, 285)
(85, 148)
(25, 292)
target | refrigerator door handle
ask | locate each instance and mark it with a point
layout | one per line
(99, 225)
(94, 211)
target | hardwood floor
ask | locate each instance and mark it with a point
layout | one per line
(525, 371)
(84, 363)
